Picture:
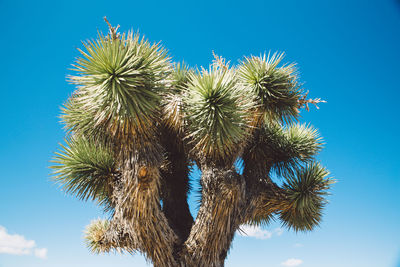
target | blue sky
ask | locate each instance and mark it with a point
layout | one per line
(347, 52)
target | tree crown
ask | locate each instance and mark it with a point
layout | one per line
(137, 122)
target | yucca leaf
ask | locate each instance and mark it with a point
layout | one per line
(172, 102)
(216, 108)
(85, 170)
(275, 88)
(305, 191)
(120, 82)
(94, 236)
(284, 148)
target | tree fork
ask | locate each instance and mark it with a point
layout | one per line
(175, 186)
(223, 192)
(263, 195)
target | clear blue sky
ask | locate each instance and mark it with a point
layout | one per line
(347, 51)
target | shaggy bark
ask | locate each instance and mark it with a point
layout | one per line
(138, 209)
(167, 235)
(264, 197)
(175, 186)
(218, 218)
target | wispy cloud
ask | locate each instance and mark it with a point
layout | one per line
(278, 231)
(41, 253)
(18, 245)
(298, 245)
(257, 232)
(292, 262)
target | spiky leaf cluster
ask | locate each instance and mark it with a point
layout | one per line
(305, 191)
(94, 236)
(119, 82)
(172, 100)
(216, 107)
(180, 77)
(276, 88)
(85, 170)
(284, 148)
(293, 146)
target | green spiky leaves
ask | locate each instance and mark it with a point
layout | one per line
(94, 236)
(119, 82)
(172, 100)
(180, 77)
(298, 144)
(276, 88)
(305, 191)
(216, 108)
(85, 170)
(284, 148)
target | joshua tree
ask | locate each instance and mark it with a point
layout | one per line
(137, 123)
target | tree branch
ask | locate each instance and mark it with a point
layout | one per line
(104, 236)
(138, 205)
(218, 217)
(303, 102)
(298, 203)
(220, 61)
(263, 201)
(113, 31)
(175, 185)
(263, 196)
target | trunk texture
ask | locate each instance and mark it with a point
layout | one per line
(218, 218)
(175, 187)
(138, 209)
(166, 234)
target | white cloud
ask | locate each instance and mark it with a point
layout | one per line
(278, 231)
(14, 244)
(41, 253)
(298, 245)
(292, 262)
(254, 231)
(18, 245)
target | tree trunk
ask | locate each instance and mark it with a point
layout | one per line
(218, 218)
(175, 186)
(138, 207)
(167, 235)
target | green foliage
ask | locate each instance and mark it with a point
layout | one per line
(216, 107)
(276, 88)
(94, 236)
(180, 77)
(85, 170)
(172, 100)
(77, 119)
(297, 144)
(305, 192)
(119, 81)
(131, 102)
(284, 148)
